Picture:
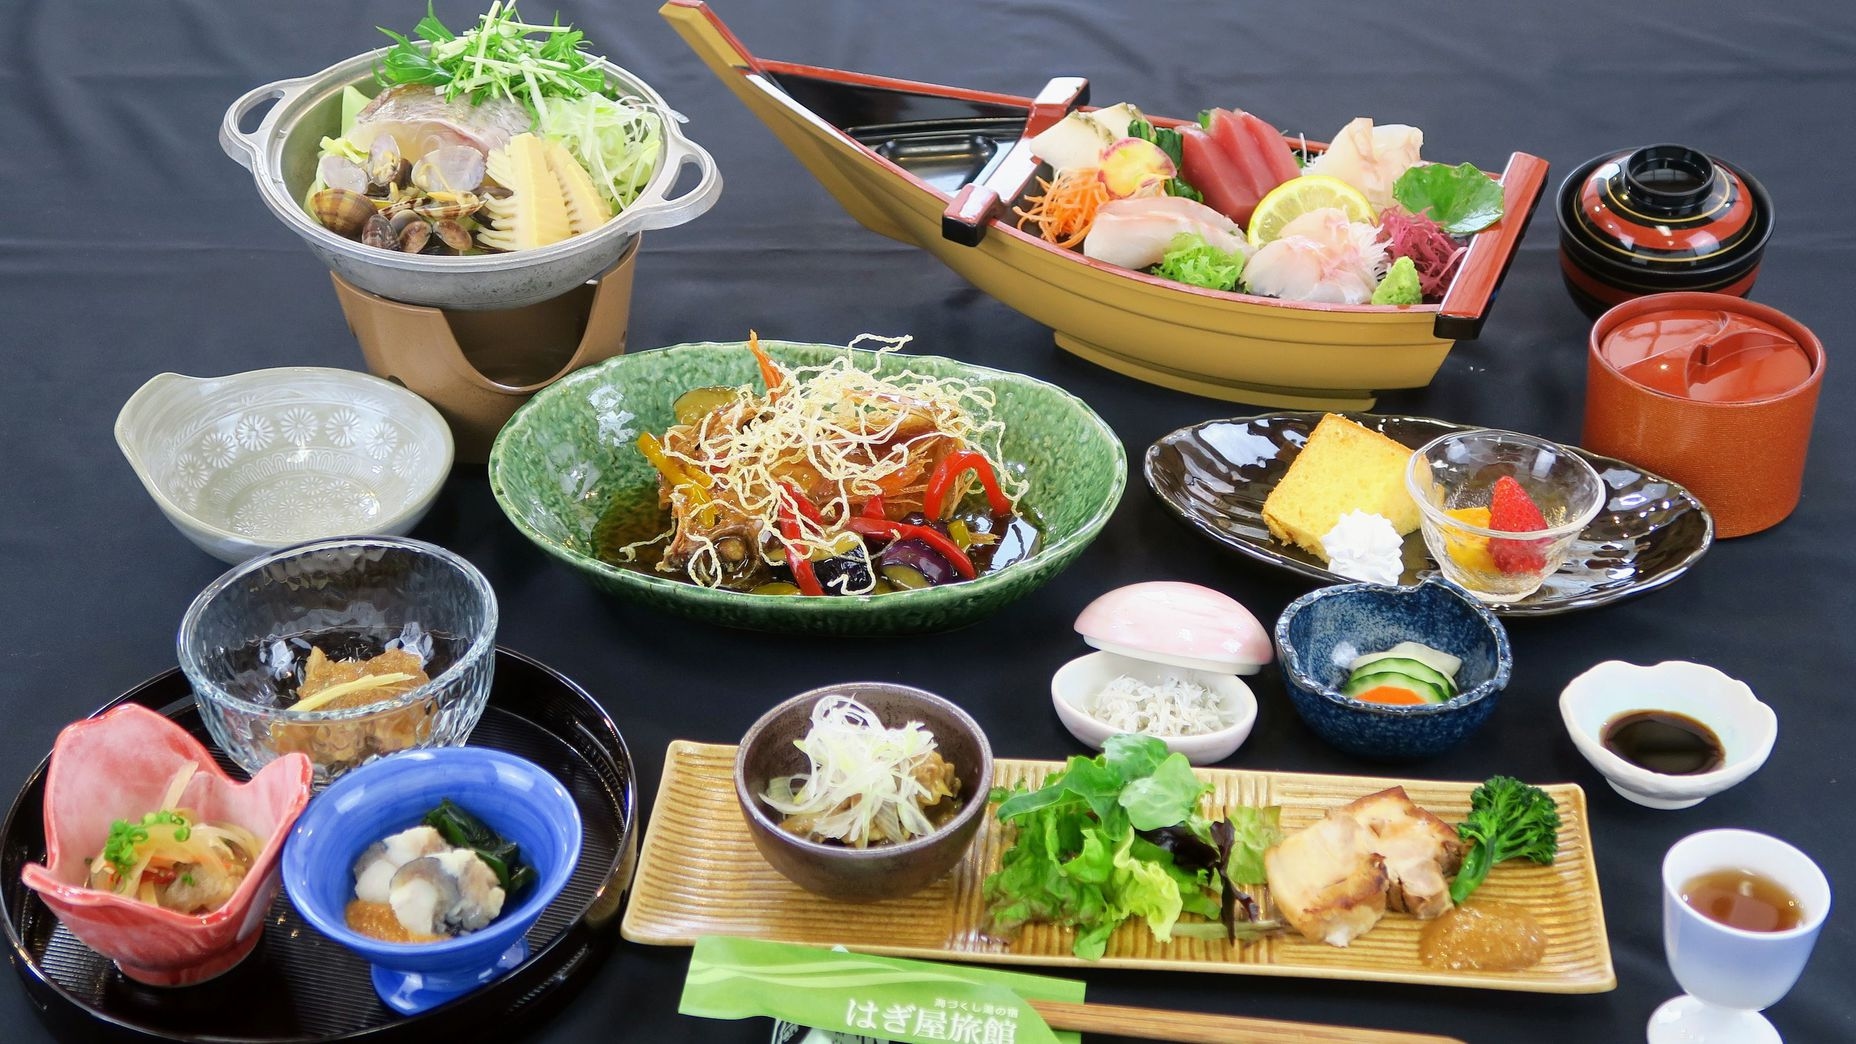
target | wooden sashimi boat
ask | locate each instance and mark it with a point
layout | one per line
(939, 166)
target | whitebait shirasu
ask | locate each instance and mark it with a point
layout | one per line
(864, 784)
(1175, 707)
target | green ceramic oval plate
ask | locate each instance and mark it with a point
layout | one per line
(567, 457)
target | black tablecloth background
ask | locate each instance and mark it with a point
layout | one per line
(129, 245)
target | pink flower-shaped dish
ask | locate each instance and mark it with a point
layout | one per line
(118, 766)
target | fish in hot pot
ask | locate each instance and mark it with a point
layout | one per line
(420, 122)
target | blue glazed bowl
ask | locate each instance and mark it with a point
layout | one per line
(1320, 633)
(517, 798)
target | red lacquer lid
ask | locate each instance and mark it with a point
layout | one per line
(1707, 354)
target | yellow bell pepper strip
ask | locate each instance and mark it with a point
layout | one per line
(926, 534)
(694, 483)
(949, 470)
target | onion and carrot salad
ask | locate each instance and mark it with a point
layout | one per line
(833, 480)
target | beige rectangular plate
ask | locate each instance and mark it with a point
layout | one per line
(699, 874)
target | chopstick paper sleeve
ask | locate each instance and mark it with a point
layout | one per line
(885, 997)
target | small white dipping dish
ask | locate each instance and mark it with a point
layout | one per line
(253, 462)
(1745, 726)
(1162, 629)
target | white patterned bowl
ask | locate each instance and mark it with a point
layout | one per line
(255, 461)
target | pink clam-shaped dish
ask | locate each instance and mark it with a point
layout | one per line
(118, 766)
(1178, 623)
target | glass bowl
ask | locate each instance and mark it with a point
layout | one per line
(244, 640)
(1453, 477)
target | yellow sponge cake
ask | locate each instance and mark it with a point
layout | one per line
(1343, 467)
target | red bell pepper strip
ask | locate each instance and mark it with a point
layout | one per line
(934, 538)
(803, 576)
(803, 503)
(873, 508)
(948, 471)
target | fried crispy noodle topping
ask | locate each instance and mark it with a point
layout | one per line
(864, 784)
(838, 434)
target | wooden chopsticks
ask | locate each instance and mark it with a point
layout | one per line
(1195, 1028)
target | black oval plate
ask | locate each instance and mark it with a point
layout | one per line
(298, 987)
(1215, 476)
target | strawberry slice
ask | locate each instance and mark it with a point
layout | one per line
(1511, 510)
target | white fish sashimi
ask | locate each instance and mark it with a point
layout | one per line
(420, 121)
(1135, 233)
(374, 871)
(1322, 257)
(1370, 158)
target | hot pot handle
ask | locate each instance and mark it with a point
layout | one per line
(243, 147)
(679, 151)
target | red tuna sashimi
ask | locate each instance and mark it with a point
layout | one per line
(1217, 177)
(1259, 151)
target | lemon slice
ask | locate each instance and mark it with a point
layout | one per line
(1298, 196)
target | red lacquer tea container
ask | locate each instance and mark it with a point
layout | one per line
(1713, 391)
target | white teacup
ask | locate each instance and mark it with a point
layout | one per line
(1729, 973)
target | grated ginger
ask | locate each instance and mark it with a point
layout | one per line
(1174, 707)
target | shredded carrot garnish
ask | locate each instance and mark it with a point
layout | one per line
(1067, 209)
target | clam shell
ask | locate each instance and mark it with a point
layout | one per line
(454, 235)
(342, 173)
(453, 168)
(383, 160)
(378, 232)
(448, 205)
(342, 212)
(414, 236)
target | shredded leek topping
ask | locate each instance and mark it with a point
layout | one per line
(615, 140)
(866, 784)
(1175, 707)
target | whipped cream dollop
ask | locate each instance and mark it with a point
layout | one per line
(1365, 547)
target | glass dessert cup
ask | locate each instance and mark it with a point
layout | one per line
(1452, 479)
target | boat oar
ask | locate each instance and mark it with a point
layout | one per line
(973, 208)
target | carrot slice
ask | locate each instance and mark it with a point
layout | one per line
(1390, 694)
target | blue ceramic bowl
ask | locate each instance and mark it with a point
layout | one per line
(517, 798)
(1324, 630)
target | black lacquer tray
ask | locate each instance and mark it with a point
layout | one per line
(298, 986)
(1215, 476)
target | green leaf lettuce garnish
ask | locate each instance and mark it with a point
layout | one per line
(1460, 199)
(1400, 285)
(1191, 260)
(1115, 837)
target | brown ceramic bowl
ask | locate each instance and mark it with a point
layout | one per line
(880, 871)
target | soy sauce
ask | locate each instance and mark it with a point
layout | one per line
(1665, 742)
(1743, 899)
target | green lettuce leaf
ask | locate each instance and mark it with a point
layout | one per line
(1166, 797)
(1145, 890)
(1256, 829)
(1461, 199)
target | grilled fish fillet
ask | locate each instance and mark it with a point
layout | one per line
(421, 121)
(1420, 850)
(1327, 881)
